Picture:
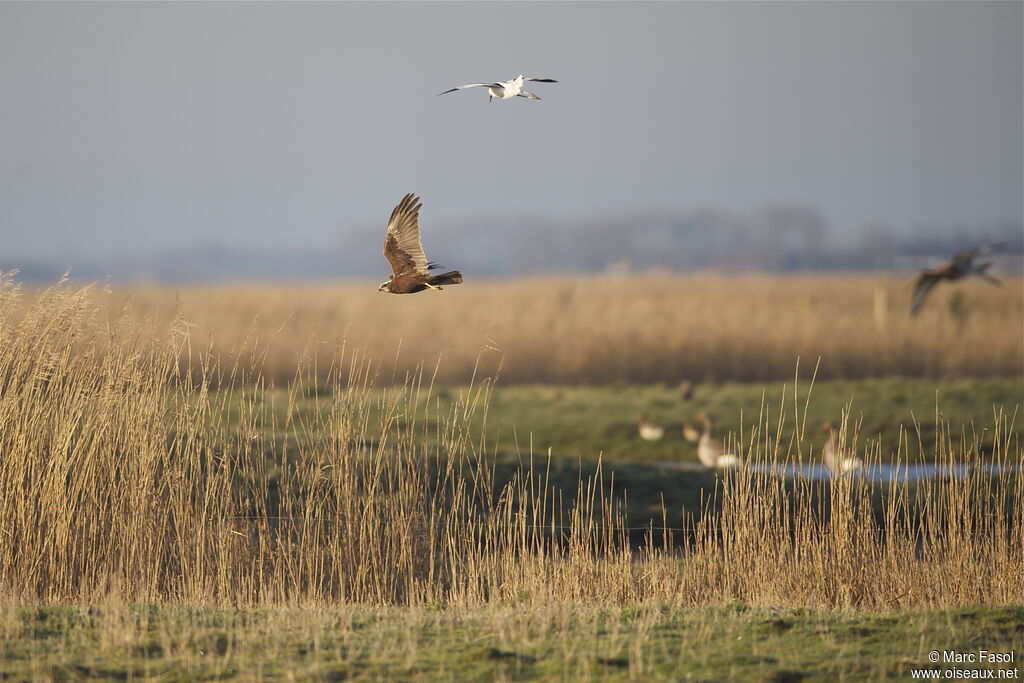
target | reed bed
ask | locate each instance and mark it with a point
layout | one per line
(124, 478)
(600, 329)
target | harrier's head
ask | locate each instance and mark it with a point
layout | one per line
(384, 286)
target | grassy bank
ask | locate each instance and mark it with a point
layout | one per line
(893, 414)
(497, 642)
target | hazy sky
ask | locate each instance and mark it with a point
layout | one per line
(127, 128)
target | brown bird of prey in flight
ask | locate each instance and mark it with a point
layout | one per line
(960, 266)
(410, 270)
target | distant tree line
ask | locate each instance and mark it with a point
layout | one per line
(781, 238)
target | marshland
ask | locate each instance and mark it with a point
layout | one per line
(172, 507)
(724, 382)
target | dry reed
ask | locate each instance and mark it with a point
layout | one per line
(644, 328)
(123, 479)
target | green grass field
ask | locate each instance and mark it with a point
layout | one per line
(591, 421)
(499, 642)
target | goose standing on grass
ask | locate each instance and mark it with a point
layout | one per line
(690, 433)
(504, 90)
(836, 460)
(650, 431)
(960, 266)
(710, 450)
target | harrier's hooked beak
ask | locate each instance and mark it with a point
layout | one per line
(384, 286)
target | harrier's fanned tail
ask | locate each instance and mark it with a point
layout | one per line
(452, 277)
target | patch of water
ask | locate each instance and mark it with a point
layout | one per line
(885, 473)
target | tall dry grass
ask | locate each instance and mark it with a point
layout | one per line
(644, 328)
(122, 478)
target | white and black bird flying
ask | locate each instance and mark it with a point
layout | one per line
(505, 90)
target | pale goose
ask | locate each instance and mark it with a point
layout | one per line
(691, 433)
(650, 431)
(710, 450)
(836, 459)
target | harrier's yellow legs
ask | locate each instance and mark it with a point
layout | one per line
(430, 286)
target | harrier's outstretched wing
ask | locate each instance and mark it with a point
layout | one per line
(541, 80)
(402, 246)
(471, 85)
(922, 286)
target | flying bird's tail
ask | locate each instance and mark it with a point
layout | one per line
(452, 277)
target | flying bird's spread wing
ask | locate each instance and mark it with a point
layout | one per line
(471, 85)
(541, 80)
(402, 246)
(922, 286)
(960, 266)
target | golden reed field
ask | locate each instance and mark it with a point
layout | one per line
(122, 478)
(600, 329)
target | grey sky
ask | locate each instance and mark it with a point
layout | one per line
(132, 127)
